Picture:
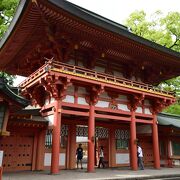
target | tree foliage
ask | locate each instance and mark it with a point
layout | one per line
(164, 30)
(7, 10)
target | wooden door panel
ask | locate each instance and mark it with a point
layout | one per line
(18, 151)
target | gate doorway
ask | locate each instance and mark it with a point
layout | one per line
(101, 139)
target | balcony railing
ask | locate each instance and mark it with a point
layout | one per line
(90, 74)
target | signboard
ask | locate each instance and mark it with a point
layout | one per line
(1, 158)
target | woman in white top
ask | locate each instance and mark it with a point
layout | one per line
(101, 157)
(140, 157)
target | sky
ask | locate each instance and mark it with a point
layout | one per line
(119, 10)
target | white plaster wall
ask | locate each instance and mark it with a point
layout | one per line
(139, 110)
(1, 157)
(147, 111)
(122, 158)
(82, 100)
(176, 162)
(47, 159)
(103, 104)
(123, 107)
(50, 118)
(69, 99)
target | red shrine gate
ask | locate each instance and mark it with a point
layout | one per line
(75, 96)
(103, 76)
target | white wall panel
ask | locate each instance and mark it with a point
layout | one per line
(103, 104)
(122, 158)
(147, 111)
(123, 107)
(69, 99)
(139, 110)
(82, 100)
(47, 159)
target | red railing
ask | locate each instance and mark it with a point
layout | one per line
(92, 74)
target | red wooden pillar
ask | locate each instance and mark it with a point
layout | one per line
(91, 130)
(56, 137)
(155, 143)
(133, 144)
(72, 145)
(112, 147)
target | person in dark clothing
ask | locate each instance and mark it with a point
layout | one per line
(101, 157)
(79, 154)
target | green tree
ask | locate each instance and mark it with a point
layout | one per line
(164, 30)
(7, 10)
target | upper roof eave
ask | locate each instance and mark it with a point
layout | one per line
(90, 17)
(109, 25)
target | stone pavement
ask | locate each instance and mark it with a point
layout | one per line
(100, 174)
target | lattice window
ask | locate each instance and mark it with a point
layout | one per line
(64, 130)
(122, 139)
(121, 134)
(101, 132)
(82, 131)
(122, 143)
(48, 139)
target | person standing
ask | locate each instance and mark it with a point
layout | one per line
(140, 157)
(101, 157)
(79, 154)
